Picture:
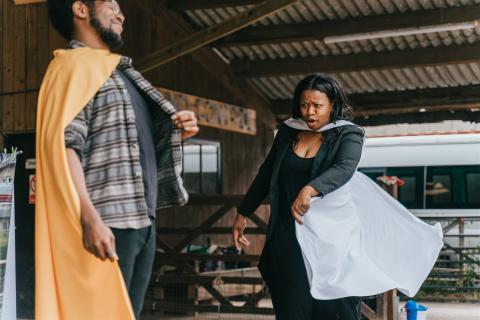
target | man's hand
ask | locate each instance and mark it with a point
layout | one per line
(187, 121)
(238, 226)
(302, 203)
(98, 239)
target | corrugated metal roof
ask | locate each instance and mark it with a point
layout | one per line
(281, 87)
(381, 80)
(319, 48)
(318, 10)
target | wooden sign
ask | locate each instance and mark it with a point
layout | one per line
(27, 1)
(215, 114)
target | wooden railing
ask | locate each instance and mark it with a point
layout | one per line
(457, 269)
(188, 277)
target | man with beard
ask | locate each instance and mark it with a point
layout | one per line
(108, 155)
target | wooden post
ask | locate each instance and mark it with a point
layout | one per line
(391, 189)
(392, 307)
(461, 245)
(387, 308)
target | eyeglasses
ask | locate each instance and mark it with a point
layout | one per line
(113, 5)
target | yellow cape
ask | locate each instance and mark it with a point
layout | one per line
(70, 282)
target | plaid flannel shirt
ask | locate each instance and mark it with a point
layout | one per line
(104, 136)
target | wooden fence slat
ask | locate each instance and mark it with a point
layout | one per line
(43, 41)
(184, 307)
(368, 312)
(31, 107)
(32, 61)
(258, 221)
(19, 66)
(209, 287)
(205, 225)
(204, 257)
(213, 230)
(8, 68)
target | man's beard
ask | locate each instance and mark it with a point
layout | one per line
(112, 40)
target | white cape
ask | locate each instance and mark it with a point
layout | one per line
(359, 241)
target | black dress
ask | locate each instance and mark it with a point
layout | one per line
(281, 263)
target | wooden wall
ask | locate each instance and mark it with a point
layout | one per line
(27, 41)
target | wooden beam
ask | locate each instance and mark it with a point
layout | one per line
(192, 278)
(204, 37)
(428, 98)
(360, 112)
(213, 230)
(182, 5)
(259, 222)
(27, 1)
(368, 312)
(166, 257)
(418, 98)
(318, 30)
(218, 310)
(215, 200)
(426, 117)
(207, 286)
(359, 61)
(201, 229)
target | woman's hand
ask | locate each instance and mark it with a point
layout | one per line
(302, 203)
(238, 226)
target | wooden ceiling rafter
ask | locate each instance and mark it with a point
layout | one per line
(20, 2)
(425, 117)
(182, 5)
(431, 56)
(204, 37)
(319, 30)
(463, 97)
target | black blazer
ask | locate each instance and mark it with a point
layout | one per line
(333, 166)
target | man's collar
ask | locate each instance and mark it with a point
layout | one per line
(125, 62)
(74, 44)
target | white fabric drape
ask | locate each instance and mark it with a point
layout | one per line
(359, 241)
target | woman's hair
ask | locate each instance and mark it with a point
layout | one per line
(333, 90)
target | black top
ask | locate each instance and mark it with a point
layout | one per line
(143, 122)
(294, 175)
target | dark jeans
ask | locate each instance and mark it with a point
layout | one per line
(136, 251)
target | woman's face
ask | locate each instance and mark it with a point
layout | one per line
(316, 108)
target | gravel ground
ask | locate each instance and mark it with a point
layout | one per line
(436, 311)
(450, 311)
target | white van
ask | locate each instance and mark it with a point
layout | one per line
(441, 174)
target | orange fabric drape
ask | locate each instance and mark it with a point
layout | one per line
(70, 282)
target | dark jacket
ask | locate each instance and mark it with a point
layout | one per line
(333, 166)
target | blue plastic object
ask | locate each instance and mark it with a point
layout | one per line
(412, 309)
